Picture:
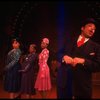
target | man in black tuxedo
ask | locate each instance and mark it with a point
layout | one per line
(80, 59)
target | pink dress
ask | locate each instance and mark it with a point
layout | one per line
(43, 81)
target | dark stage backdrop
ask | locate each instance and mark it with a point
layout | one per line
(33, 20)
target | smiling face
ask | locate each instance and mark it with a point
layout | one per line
(88, 30)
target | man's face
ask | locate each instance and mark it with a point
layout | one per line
(88, 30)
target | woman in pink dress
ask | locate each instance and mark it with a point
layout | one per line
(43, 81)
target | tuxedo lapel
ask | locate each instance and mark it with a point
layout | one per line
(88, 45)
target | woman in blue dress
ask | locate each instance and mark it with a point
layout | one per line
(12, 78)
(29, 70)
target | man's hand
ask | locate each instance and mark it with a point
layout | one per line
(68, 59)
(73, 61)
(77, 60)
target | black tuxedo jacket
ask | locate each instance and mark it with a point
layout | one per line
(81, 75)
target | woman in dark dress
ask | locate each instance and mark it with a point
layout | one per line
(28, 71)
(12, 78)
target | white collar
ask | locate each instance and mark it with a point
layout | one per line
(79, 38)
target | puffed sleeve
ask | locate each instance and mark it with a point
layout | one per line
(15, 58)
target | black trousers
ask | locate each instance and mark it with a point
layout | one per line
(64, 82)
(64, 93)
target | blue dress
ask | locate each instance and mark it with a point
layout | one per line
(29, 66)
(12, 78)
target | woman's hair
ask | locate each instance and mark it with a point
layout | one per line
(16, 39)
(45, 40)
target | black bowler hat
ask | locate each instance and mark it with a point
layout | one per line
(87, 21)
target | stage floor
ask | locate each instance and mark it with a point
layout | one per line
(51, 94)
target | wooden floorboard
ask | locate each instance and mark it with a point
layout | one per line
(51, 94)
